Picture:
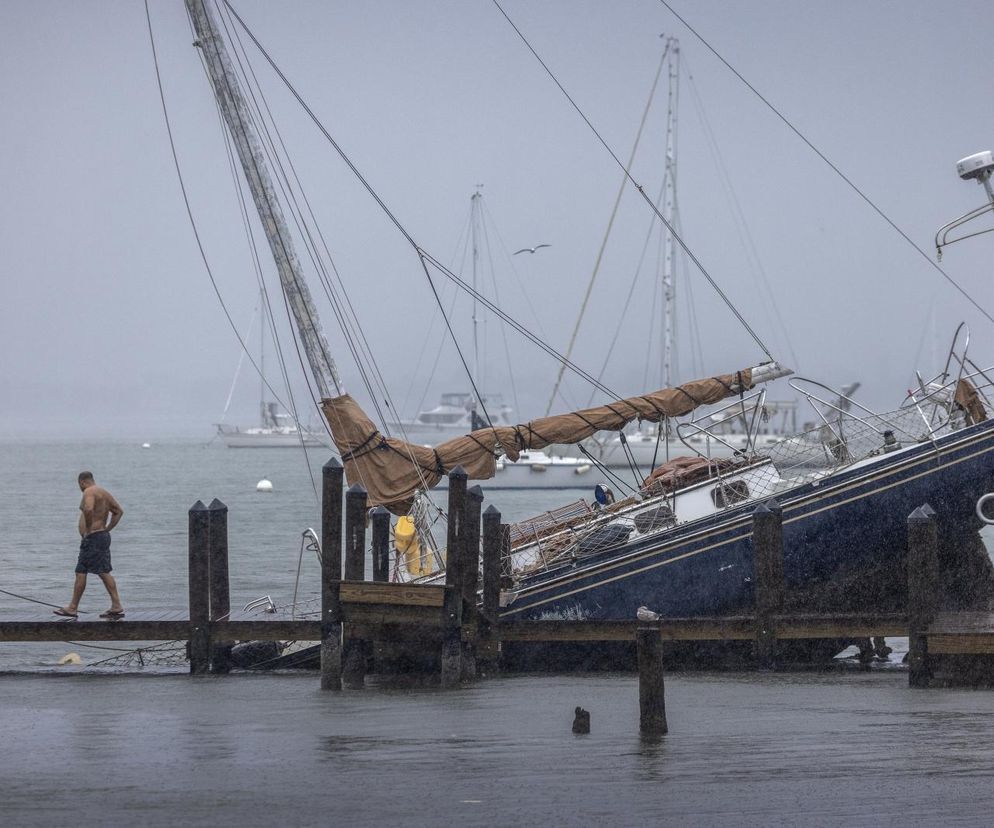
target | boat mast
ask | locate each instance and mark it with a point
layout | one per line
(474, 220)
(229, 96)
(669, 208)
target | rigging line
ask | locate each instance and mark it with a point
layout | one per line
(610, 223)
(369, 189)
(548, 349)
(510, 261)
(325, 357)
(693, 323)
(503, 329)
(738, 215)
(619, 481)
(461, 241)
(345, 158)
(319, 264)
(697, 262)
(264, 295)
(269, 146)
(452, 334)
(837, 170)
(35, 600)
(631, 290)
(186, 199)
(292, 407)
(344, 312)
(238, 370)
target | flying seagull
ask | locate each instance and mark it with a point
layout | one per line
(530, 249)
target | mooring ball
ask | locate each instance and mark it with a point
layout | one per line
(71, 658)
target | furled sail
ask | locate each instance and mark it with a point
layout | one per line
(391, 470)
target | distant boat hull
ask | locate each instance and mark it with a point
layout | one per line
(268, 438)
(536, 470)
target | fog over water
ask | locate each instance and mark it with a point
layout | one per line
(109, 325)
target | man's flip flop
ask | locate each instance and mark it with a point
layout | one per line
(112, 615)
(64, 613)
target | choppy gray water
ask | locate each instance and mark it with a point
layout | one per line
(88, 747)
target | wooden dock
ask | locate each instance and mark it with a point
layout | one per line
(458, 623)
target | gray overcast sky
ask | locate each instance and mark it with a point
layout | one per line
(109, 325)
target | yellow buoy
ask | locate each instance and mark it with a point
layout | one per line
(405, 538)
(70, 658)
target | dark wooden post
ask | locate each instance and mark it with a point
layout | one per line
(451, 646)
(200, 596)
(217, 515)
(331, 575)
(652, 692)
(923, 589)
(354, 649)
(381, 544)
(470, 548)
(489, 615)
(355, 534)
(505, 551)
(767, 550)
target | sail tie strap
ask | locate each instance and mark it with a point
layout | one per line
(364, 447)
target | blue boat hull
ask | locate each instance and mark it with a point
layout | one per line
(845, 542)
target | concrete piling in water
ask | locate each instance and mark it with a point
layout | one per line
(652, 695)
(199, 589)
(353, 649)
(380, 520)
(220, 600)
(768, 579)
(454, 565)
(923, 588)
(331, 575)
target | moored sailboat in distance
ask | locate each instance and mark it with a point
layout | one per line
(276, 430)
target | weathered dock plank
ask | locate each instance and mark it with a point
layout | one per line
(414, 595)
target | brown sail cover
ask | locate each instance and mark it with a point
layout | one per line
(391, 470)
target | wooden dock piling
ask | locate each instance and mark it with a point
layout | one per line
(923, 587)
(354, 649)
(451, 645)
(470, 549)
(487, 646)
(652, 695)
(380, 520)
(768, 583)
(199, 589)
(220, 600)
(331, 575)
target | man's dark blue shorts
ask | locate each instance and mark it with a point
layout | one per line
(94, 554)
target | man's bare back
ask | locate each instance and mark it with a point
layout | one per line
(98, 510)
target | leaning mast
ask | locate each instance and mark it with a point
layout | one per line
(231, 102)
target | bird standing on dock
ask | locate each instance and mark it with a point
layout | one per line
(530, 249)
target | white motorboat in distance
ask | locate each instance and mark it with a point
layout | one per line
(538, 470)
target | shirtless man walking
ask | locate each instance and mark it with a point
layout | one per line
(99, 513)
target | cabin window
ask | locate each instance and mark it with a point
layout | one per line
(727, 494)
